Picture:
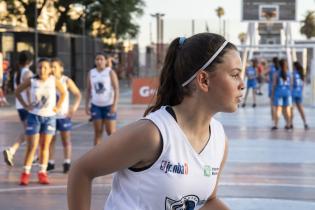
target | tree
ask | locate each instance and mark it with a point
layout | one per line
(220, 13)
(103, 17)
(64, 8)
(115, 17)
(242, 37)
(308, 27)
(23, 12)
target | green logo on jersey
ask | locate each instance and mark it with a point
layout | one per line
(207, 170)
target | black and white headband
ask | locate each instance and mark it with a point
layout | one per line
(206, 64)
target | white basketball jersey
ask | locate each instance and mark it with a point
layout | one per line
(18, 105)
(65, 105)
(180, 179)
(101, 87)
(43, 96)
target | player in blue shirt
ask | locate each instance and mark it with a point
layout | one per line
(251, 74)
(274, 67)
(281, 95)
(297, 90)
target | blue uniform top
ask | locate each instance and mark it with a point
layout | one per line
(297, 84)
(283, 86)
(251, 73)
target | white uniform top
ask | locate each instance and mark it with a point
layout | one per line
(18, 105)
(43, 96)
(180, 178)
(62, 113)
(102, 93)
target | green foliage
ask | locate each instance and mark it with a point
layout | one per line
(116, 15)
(112, 16)
(220, 12)
(308, 27)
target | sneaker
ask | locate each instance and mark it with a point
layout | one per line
(66, 167)
(43, 178)
(306, 127)
(243, 105)
(8, 157)
(25, 178)
(254, 105)
(50, 166)
(274, 128)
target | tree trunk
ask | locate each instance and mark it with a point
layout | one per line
(62, 19)
(30, 14)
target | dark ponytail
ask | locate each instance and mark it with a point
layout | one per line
(167, 93)
(25, 58)
(299, 69)
(183, 59)
(275, 62)
(283, 69)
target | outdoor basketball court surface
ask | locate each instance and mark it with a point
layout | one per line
(265, 169)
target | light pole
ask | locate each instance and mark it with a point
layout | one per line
(159, 37)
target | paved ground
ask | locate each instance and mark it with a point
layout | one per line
(265, 170)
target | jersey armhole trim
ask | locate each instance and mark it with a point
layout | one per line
(162, 145)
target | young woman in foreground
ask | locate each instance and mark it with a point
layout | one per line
(173, 157)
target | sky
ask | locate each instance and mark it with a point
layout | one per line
(180, 13)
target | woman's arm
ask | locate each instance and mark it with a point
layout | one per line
(88, 94)
(27, 76)
(215, 203)
(25, 85)
(140, 140)
(115, 84)
(62, 95)
(274, 84)
(77, 96)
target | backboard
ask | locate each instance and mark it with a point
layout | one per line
(269, 10)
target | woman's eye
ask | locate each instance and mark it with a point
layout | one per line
(235, 76)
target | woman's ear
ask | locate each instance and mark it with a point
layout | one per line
(202, 80)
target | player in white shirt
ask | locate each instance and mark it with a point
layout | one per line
(102, 98)
(63, 117)
(23, 73)
(173, 157)
(41, 121)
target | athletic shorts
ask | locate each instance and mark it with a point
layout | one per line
(297, 99)
(23, 113)
(102, 113)
(36, 124)
(251, 83)
(282, 101)
(63, 124)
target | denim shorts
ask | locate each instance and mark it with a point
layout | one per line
(23, 113)
(102, 113)
(36, 124)
(63, 124)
